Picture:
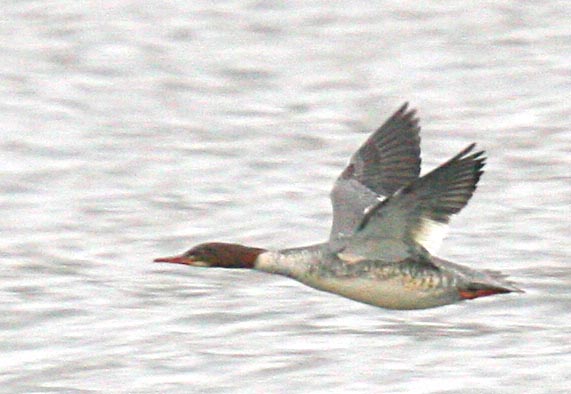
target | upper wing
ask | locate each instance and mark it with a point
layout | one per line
(418, 214)
(388, 160)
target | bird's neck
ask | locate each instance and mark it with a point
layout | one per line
(295, 263)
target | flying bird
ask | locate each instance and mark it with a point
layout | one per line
(388, 223)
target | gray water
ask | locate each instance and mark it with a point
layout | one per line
(131, 130)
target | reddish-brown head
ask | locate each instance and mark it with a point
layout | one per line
(216, 254)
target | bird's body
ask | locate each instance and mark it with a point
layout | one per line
(416, 283)
(387, 223)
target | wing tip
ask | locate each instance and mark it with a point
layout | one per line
(467, 155)
(407, 115)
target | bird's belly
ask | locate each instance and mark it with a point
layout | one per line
(393, 293)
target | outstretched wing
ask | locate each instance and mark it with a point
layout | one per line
(388, 160)
(418, 214)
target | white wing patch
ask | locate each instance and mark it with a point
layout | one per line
(430, 234)
(350, 258)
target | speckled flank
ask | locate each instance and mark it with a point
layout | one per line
(404, 285)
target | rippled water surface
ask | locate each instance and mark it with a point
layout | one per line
(133, 130)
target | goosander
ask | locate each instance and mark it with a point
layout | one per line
(387, 224)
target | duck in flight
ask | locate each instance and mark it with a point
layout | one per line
(388, 223)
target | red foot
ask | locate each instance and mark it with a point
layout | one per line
(471, 294)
